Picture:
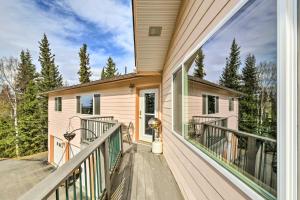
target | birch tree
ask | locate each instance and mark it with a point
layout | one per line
(267, 74)
(8, 71)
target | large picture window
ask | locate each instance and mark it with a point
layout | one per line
(234, 67)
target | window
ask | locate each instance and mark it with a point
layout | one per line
(210, 104)
(207, 86)
(88, 104)
(58, 104)
(231, 103)
(177, 101)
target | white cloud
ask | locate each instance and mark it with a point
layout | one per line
(108, 15)
(255, 31)
(23, 23)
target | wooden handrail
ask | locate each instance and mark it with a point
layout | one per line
(101, 117)
(241, 133)
(203, 116)
(48, 185)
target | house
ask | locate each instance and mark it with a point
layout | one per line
(111, 97)
(134, 98)
(207, 154)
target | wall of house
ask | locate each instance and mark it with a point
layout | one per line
(194, 103)
(196, 178)
(118, 102)
(117, 99)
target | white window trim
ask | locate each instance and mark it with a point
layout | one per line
(286, 106)
(287, 99)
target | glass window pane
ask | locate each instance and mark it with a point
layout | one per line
(86, 104)
(97, 104)
(148, 130)
(211, 104)
(177, 102)
(150, 103)
(236, 68)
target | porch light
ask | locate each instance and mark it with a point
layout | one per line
(155, 30)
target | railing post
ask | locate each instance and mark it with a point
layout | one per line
(121, 139)
(251, 155)
(229, 136)
(106, 167)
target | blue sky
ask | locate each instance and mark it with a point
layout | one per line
(104, 25)
(253, 27)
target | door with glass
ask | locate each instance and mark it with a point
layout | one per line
(148, 110)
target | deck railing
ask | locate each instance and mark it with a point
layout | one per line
(87, 175)
(246, 155)
(94, 127)
(197, 125)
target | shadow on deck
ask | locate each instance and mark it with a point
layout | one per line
(143, 175)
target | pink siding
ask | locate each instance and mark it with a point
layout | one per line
(194, 103)
(118, 102)
(196, 178)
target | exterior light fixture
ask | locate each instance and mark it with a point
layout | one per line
(155, 30)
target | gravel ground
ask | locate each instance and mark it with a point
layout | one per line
(19, 175)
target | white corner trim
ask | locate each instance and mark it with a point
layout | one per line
(287, 99)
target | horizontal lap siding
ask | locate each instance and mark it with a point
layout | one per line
(117, 102)
(196, 178)
(194, 104)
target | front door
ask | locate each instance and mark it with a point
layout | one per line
(148, 110)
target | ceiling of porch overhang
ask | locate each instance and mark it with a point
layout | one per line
(150, 51)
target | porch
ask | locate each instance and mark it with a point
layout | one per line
(108, 168)
(143, 175)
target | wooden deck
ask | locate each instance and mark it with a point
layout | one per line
(143, 175)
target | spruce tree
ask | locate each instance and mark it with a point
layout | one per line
(7, 130)
(7, 138)
(102, 74)
(32, 137)
(199, 65)
(50, 79)
(249, 102)
(230, 77)
(84, 71)
(25, 72)
(110, 70)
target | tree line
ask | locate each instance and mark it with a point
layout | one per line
(23, 102)
(257, 82)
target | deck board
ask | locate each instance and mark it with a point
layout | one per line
(144, 176)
